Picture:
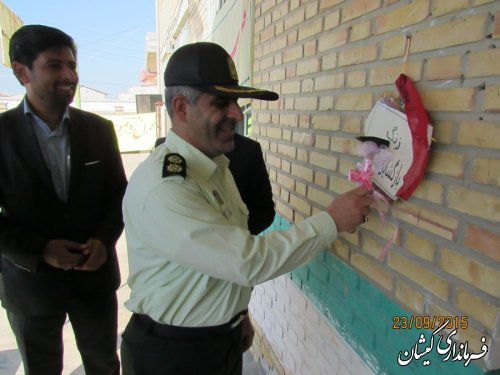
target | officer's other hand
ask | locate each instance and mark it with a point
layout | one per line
(350, 209)
(64, 254)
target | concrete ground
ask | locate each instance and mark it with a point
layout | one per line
(10, 360)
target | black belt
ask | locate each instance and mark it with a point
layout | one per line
(166, 330)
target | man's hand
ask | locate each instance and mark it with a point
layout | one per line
(247, 333)
(97, 255)
(64, 254)
(350, 209)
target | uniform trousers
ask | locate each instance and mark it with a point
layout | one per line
(40, 341)
(151, 348)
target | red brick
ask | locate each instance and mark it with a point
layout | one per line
(484, 241)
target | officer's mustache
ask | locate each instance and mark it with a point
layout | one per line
(226, 124)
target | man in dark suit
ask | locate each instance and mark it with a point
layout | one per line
(61, 187)
(250, 174)
(249, 171)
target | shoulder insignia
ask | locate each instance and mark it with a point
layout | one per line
(174, 165)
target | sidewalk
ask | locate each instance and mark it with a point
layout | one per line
(10, 360)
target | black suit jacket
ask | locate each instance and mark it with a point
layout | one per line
(248, 168)
(32, 214)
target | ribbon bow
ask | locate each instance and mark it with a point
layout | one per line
(364, 175)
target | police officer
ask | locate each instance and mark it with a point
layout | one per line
(192, 260)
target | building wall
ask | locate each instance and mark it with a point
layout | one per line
(100, 107)
(331, 60)
(180, 22)
(89, 94)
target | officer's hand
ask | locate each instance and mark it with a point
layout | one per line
(97, 255)
(64, 254)
(247, 333)
(350, 209)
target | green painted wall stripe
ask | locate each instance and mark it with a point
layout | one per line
(363, 314)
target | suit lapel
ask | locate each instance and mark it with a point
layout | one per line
(77, 141)
(28, 147)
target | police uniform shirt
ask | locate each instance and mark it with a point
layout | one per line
(192, 261)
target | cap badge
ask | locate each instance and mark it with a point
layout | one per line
(232, 68)
(174, 165)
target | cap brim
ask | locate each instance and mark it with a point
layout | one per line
(239, 92)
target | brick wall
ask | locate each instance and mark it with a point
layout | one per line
(331, 60)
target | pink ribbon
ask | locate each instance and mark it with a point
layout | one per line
(388, 244)
(364, 175)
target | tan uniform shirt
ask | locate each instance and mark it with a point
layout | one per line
(192, 260)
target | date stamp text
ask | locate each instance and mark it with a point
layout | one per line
(429, 322)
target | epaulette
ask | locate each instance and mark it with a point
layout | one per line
(174, 165)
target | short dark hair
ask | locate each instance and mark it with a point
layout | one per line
(29, 40)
